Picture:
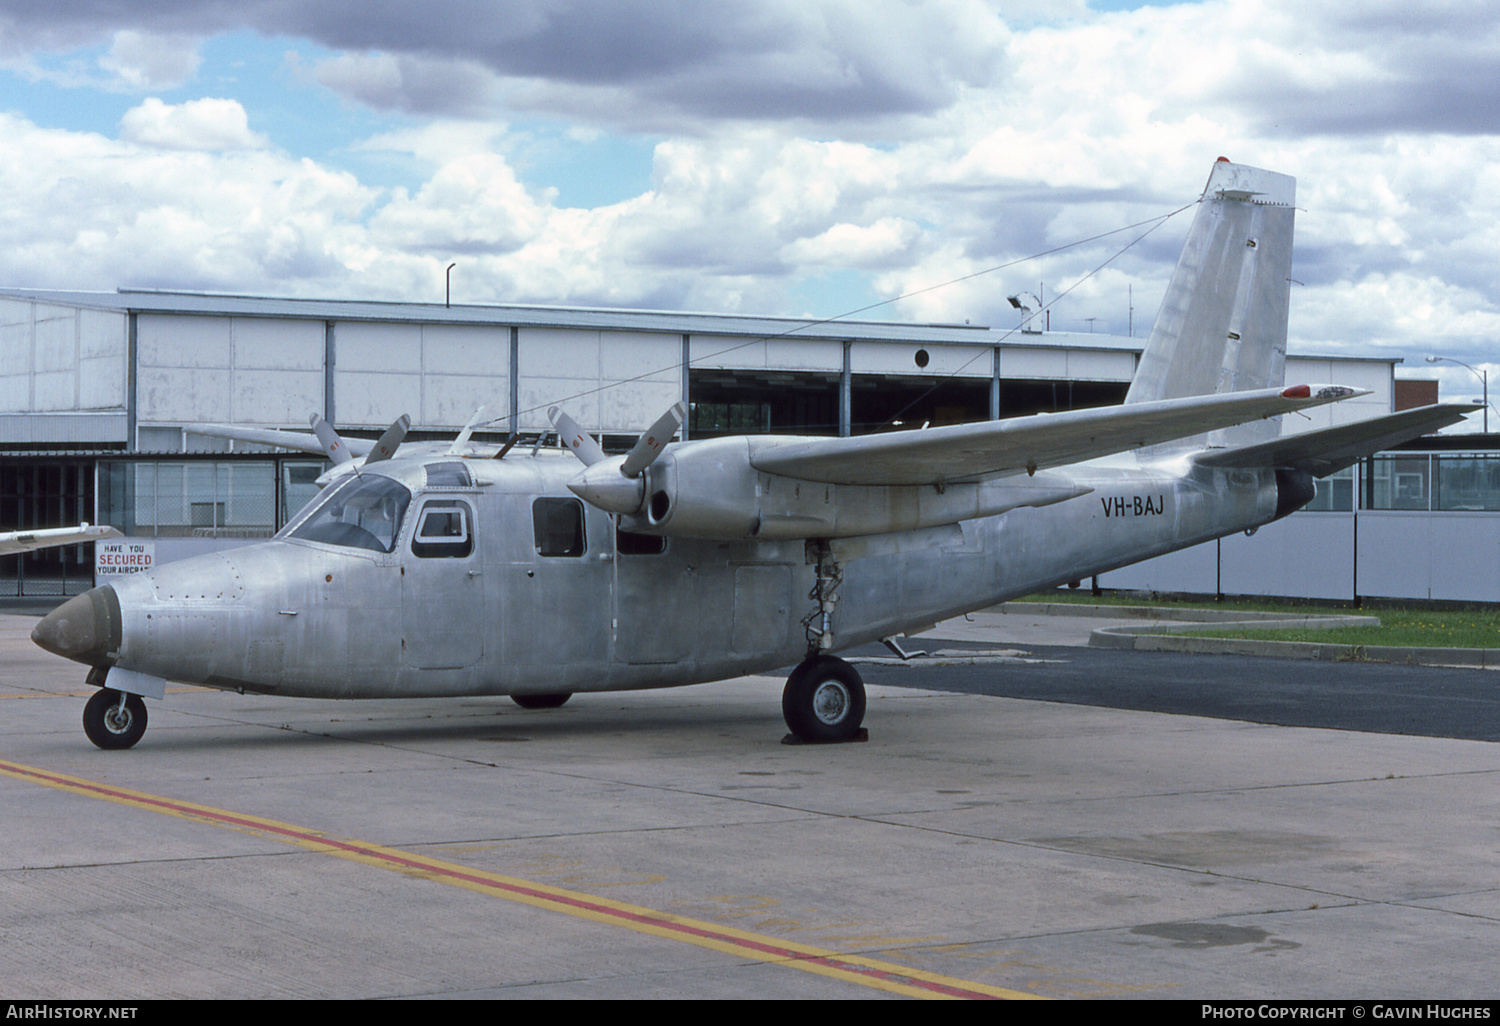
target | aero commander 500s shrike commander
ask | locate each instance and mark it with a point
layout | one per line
(467, 571)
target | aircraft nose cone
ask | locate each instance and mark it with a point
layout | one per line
(86, 628)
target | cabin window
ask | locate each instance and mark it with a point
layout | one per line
(444, 530)
(363, 513)
(448, 475)
(558, 525)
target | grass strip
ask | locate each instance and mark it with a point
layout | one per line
(1406, 627)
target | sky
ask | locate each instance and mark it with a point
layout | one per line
(803, 158)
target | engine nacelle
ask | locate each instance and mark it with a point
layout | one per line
(711, 491)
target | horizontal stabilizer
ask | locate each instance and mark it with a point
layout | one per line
(1328, 450)
(969, 452)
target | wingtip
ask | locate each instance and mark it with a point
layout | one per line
(1323, 393)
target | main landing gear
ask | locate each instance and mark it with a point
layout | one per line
(824, 700)
(114, 719)
(541, 701)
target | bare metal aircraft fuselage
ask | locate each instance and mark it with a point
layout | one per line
(505, 614)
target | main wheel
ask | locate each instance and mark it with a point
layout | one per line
(112, 723)
(541, 701)
(824, 700)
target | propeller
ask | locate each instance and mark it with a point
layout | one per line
(333, 445)
(616, 484)
(575, 438)
(650, 444)
(344, 461)
(462, 439)
(389, 442)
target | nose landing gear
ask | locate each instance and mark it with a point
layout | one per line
(114, 719)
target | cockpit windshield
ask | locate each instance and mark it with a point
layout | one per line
(363, 513)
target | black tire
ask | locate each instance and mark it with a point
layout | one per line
(541, 701)
(111, 727)
(824, 700)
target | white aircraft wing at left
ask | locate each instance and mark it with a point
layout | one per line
(969, 452)
(300, 441)
(12, 542)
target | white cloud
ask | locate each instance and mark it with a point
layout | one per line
(473, 204)
(909, 143)
(852, 245)
(88, 212)
(208, 124)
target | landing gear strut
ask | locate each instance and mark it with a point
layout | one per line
(114, 719)
(824, 700)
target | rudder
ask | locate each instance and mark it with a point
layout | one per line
(1222, 324)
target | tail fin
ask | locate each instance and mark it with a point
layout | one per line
(1222, 323)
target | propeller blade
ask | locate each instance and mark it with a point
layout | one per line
(655, 439)
(457, 448)
(583, 446)
(390, 441)
(333, 445)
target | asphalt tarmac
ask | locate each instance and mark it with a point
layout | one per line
(1028, 818)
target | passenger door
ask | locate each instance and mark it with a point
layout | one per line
(442, 586)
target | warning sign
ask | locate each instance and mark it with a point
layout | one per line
(115, 558)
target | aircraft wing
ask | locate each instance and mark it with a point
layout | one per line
(969, 452)
(12, 542)
(1328, 450)
(298, 440)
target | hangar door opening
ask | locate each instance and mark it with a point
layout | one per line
(743, 402)
(37, 494)
(890, 402)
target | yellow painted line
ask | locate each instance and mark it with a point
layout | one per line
(868, 972)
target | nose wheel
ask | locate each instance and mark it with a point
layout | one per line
(824, 700)
(114, 719)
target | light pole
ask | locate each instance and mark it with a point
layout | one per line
(1484, 381)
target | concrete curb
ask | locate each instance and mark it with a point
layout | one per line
(952, 657)
(1176, 636)
(1214, 616)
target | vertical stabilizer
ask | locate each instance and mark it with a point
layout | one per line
(1222, 323)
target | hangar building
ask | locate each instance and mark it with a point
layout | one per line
(100, 392)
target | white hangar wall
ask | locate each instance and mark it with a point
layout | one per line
(64, 372)
(439, 374)
(240, 370)
(137, 368)
(617, 382)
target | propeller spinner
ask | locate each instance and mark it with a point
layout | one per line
(616, 484)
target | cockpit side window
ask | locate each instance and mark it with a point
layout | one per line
(444, 530)
(558, 526)
(363, 513)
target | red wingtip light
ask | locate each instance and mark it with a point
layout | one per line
(1297, 392)
(1222, 160)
